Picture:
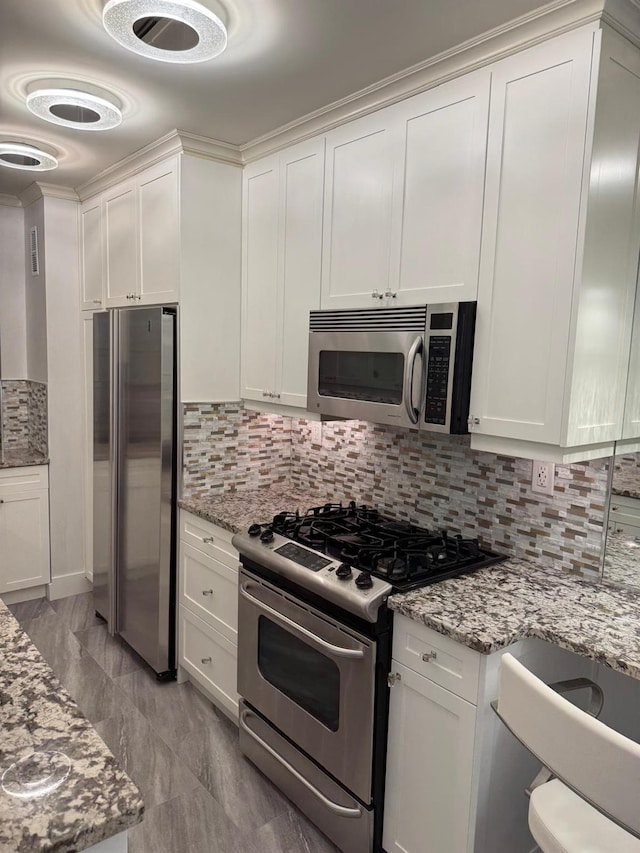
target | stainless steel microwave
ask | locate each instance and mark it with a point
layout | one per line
(409, 367)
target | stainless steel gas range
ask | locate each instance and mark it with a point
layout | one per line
(314, 650)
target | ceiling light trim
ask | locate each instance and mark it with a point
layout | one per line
(45, 163)
(40, 102)
(119, 17)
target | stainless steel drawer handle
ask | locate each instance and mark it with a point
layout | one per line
(208, 540)
(205, 660)
(336, 651)
(427, 657)
(336, 808)
(207, 592)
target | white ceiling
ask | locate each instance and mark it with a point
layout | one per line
(285, 58)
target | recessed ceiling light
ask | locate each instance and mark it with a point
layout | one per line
(72, 108)
(17, 155)
(181, 31)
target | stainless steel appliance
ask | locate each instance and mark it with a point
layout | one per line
(409, 367)
(134, 476)
(314, 650)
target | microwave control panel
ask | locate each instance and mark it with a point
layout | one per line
(438, 363)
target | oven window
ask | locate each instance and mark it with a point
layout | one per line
(309, 678)
(375, 377)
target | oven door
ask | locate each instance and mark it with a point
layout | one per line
(374, 376)
(311, 678)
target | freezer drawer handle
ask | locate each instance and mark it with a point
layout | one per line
(341, 811)
(336, 651)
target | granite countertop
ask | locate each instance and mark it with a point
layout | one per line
(235, 511)
(622, 559)
(21, 458)
(96, 800)
(492, 608)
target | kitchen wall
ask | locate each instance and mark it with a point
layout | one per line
(13, 319)
(24, 415)
(430, 480)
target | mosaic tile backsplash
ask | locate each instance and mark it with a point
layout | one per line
(24, 415)
(431, 480)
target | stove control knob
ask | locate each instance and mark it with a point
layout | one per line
(344, 571)
(254, 530)
(266, 536)
(364, 580)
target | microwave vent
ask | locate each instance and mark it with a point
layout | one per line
(411, 319)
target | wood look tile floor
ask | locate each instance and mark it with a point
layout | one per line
(201, 794)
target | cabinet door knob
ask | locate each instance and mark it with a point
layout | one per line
(427, 657)
(393, 677)
(207, 592)
(390, 294)
(208, 540)
(1, 501)
(97, 301)
(206, 660)
(376, 295)
(277, 396)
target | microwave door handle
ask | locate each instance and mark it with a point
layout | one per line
(336, 808)
(409, 368)
(335, 651)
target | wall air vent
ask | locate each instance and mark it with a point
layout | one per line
(33, 250)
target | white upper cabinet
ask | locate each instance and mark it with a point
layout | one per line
(91, 255)
(159, 234)
(559, 247)
(282, 240)
(358, 211)
(403, 200)
(442, 148)
(142, 238)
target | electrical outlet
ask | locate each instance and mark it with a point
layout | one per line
(316, 433)
(542, 477)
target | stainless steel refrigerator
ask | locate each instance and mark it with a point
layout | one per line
(134, 478)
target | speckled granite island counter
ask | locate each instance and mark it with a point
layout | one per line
(21, 458)
(495, 607)
(96, 800)
(235, 511)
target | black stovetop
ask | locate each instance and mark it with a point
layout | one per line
(399, 553)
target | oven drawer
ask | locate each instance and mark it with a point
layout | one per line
(210, 658)
(210, 589)
(206, 537)
(442, 660)
(342, 818)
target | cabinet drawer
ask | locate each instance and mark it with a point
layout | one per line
(206, 537)
(24, 479)
(445, 662)
(210, 658)
(210, 589)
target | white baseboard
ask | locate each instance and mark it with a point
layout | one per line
(67, 585)
(17, 595)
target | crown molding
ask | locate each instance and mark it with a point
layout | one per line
(7, 200)
(38, 190)
(174, 142)
(556, 18)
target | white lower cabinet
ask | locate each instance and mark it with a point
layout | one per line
(24, 528)
(208, 612)
(429, 769)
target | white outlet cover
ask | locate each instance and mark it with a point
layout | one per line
(542, 471)
(316, 432)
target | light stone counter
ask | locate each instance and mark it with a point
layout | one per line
(21, 458)
(96, 801)
(492, 608)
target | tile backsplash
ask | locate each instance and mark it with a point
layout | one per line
(431, 480)
(24, 415)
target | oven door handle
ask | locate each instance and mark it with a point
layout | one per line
(409, 369)
(336, 808)
(335, 651)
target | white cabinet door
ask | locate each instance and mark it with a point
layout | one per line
(441, 162)
(121, 244)
(259, 278)
(429, 767)
(91, 254)
(299, 267)
(536, 151)
(159, 234)
(87, 349)
(358, 208)
(24, 539)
